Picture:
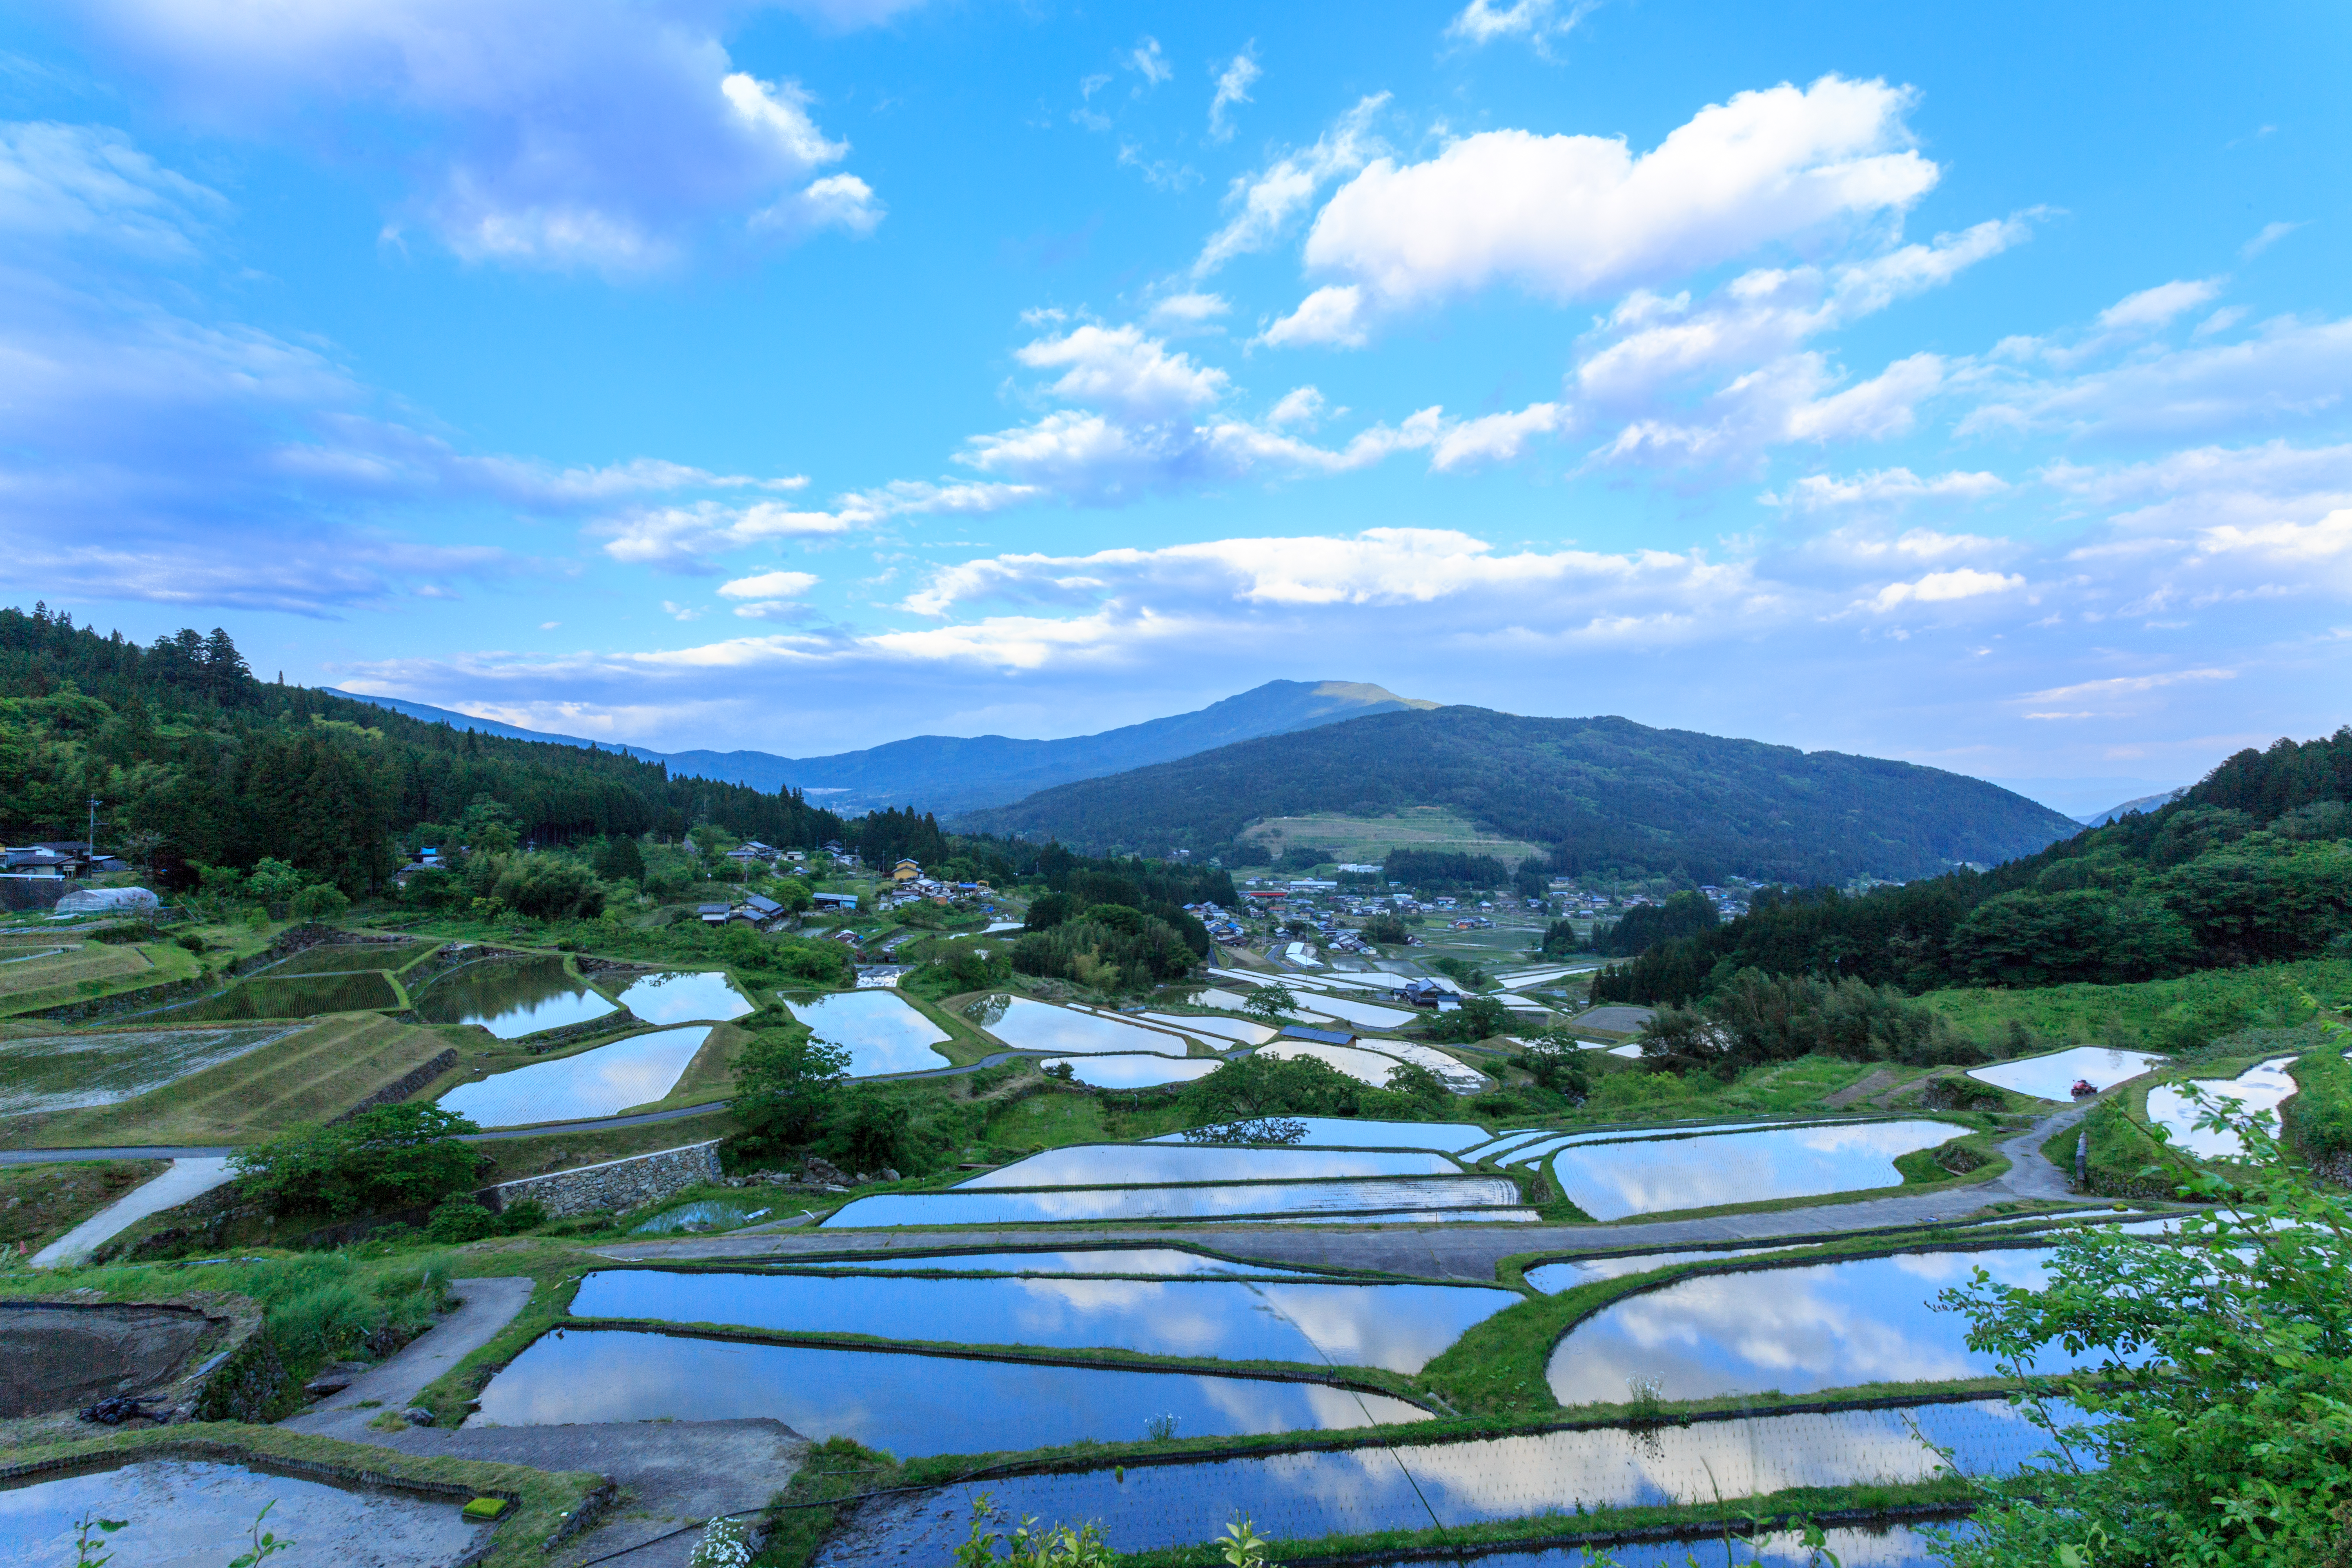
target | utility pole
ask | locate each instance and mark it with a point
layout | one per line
(94, 804)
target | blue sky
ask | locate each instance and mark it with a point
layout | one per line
(1964, 385)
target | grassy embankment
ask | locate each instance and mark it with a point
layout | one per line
(315, 1073)
(39, 1204)
(2160, 1015)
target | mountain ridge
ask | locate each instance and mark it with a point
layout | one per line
(950, 774)
(1601, 792)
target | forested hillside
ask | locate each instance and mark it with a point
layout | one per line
(1606, 793)
(198, 763)
(2252, 865)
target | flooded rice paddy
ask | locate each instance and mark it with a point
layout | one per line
(1110, 1260)
(195, 1511)
(1297, 1496)
(908, 1405)
(1107, 1164)
(1347, 1132)
(1398, 1327)
(881, 1030)
(67, 1072)
(1397, 1196)
(684, 997)
(512, 997)
(2052, 1077)
(1135, 1070)
(1240, 1031)
(1612, 1181)
(1791, 1329)
(604, 1081)
(711, 1213)
(1028, 1026)
(2259, 1087)
(1850, 1546)
(1363, 1065)
(1359, 1012)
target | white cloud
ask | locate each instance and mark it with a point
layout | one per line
(769, 586)
(2127, 685)
(1332, 316)
(1121, 368)
(1263, 204)
(1943, 587)
(87, 182)
(1299, 406)
(2289, 369)
(1880, 488)
(1537, 21)
(1884, 406)
(2270, 234)
(1493, 437)
(682, 538)
(2285, 545)
(2156, 307)
(555, 133)
(1146, 61)
(1567, 217)
(1233, 83)
(1189, 308)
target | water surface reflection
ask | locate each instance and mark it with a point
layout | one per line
(908, 1404)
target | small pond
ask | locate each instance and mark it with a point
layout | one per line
(907, 1404)
(1164, 1260)
(684, 997)
(1794, 1330)
(1180, 1203)
(2052, 1077)
(1611, 1181)
(1241, 1031)
(1400, 1327)
(1347, 1132)
(1030, 1026)
(510, 997)
(1112, 1164)
(2259, 1087)
(195, 1511)
(713, 1214)
(1136, 1071)
(880, 1029)
(63, 1072)
(1297, 1496)
(600, 1082)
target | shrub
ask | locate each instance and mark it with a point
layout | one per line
(1477, 1018)
(786, 1082)
(518, 1217)
(394, 1156)
(460, 1219)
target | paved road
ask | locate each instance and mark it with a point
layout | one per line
(186, 1177)
(491, 1304)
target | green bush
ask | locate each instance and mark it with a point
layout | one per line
(460, 1219)
(394, 1156)
(786, 1082)
(518, 1217)
(2318, 1117)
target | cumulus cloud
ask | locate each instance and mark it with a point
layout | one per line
(1233, 83)
(1190, 309)
(1565, 218)
(1264, 205)
(769, 586)
(2156, 307)
(1942, 587)
(1884, 489)
(582, 133)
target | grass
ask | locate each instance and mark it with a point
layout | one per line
(710, 1075)
(92, 971)
(2206, 1005)
(39, 1204)
(295, 997)
(313, 1075)
(1366, 839)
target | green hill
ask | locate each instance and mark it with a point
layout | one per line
(1599, 793)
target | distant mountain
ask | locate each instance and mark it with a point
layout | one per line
(950, 774)
(2145, 802)
(1604, 792)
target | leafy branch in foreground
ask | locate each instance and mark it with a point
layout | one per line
(2216, 1426)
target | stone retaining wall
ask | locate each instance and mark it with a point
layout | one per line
(616, 1184)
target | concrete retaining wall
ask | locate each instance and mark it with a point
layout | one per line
(616, 1184)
